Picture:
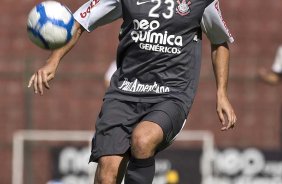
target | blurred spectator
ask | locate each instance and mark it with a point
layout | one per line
(273, 75)
(108, 75)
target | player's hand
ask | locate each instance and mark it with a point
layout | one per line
(42, 77)
(226, 113)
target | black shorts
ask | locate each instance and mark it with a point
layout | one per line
(117, 120)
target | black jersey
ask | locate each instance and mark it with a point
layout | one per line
(159, 53)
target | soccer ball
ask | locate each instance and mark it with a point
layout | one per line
(50, 25)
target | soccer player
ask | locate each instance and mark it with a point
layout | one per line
(274, 75)
(151, 93)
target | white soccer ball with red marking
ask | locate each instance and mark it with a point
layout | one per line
(50, 25)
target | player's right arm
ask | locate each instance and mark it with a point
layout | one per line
(46, 73)
(89, 16)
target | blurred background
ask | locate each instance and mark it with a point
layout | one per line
(249, 154)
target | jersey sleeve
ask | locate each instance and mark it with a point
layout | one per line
(95, 13)
(214, 26)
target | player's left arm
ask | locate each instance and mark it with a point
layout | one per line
(219, 35)
(220, 59)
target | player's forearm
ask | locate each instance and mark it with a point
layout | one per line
(220, 60)
(58, 54)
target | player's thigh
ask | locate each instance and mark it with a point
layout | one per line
(170, 116)
(113, 128)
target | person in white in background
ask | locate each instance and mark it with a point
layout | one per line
(273, 76)
(212, 25)
(110, 71)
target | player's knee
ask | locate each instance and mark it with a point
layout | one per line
(145, 138)
(142, 146)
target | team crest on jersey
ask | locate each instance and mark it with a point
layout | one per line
(183, 7)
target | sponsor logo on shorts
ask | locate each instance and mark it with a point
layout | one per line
(88, 9)
(138, 87)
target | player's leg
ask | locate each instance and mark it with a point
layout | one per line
(111, 143)
(145, 139)
(154, 133)
(110, 169)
